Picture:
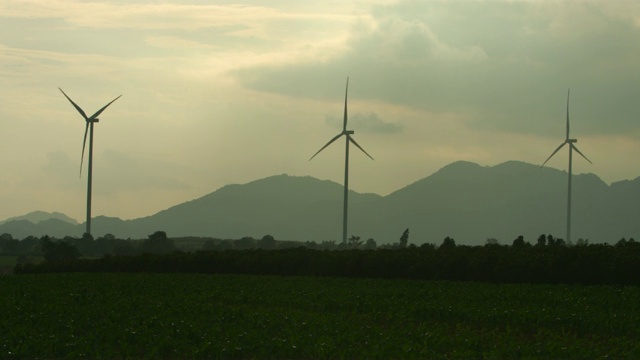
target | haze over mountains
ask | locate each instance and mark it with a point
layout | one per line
(463, 200)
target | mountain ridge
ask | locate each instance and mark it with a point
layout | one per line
(464, 200)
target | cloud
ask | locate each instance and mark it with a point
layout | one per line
(368, 123)
(501, 65)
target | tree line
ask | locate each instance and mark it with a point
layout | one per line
(549, 260)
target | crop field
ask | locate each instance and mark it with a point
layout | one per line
(239, 316)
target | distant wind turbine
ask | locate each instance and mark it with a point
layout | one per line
(88, 128)
(348, 139)
(572, 147)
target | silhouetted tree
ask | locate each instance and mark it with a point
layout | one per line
(354, 242)
(370, 244)
(311, 245)
(245, 243)
(158, 243)
(582, 242)
(267, 242)
(30, 244)
(491, 242)
(9, 245)
(58, 251)
(518, 242)
(542, 240)
(448, 243)
(7, 242)
(551, 241)
(428, 246)
(328, 245)
(123, 248)
(105, 244)
(404, 239)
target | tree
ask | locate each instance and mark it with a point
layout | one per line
(551, 241)
(105, 244)
(158, 243)
(404, 239)
(370, 244)
(582, 242)
(58, 251)
(10, 245)
(518, 242)
(267, 242)
(245, 243)
(542, 240)
(492, 242)
(354, 242)
(448, 243)
(5, 238)
(123, 248)
(328, 245)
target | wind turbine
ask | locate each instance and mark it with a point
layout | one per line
(348, 139)
(572, 147)
(88, 128)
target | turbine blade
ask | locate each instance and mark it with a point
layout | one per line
(74, 105)
(327, 144)
(101, 110)
(84, 142)
(359, 147)
(581, 154)
(554, 152)
(568, 92)
(344, 124)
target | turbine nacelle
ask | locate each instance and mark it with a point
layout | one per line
(348, 132)
(571, 141)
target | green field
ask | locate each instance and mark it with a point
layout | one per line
(233, 316)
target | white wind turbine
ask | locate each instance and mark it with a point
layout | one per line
(348, 139)
(572, 147)
(88, 128)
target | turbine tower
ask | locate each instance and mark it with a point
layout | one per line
(88, 128)
(572, 147)
(348, 139)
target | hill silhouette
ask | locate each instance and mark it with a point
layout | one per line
(38, 216)
(462, 200)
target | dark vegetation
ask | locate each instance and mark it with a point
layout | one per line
(195, 316)
(549, 260)
(212, 298)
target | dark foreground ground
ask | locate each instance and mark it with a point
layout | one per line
(107, 315)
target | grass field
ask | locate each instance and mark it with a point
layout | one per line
(232, 316)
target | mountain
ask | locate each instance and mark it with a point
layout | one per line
(462, 200)
(286, 207)
(472, 203)
(38, 216)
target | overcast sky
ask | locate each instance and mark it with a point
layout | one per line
(230, 93)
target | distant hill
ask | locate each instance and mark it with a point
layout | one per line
(462, 200)
(38, 216)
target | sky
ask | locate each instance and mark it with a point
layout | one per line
(220, 92)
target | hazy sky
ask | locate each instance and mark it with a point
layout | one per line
(230, 93)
